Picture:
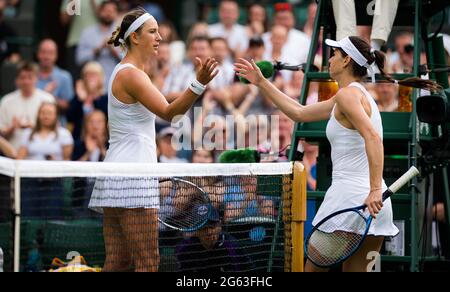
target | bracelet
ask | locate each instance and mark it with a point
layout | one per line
(377, 189)
(197, 88)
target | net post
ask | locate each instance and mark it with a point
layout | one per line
(15, 193)
(298, 211)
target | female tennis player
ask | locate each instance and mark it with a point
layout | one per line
(131, 205)
(355, 132)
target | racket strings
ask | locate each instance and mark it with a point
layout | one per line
(186, 205)
(336, 239)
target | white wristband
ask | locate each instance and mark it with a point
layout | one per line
(197, 88)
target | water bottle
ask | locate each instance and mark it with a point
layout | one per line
(1, 260)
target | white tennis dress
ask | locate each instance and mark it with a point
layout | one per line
(132, 140)
(351, 179)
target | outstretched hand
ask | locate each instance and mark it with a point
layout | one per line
(249, 71)
(206, 72)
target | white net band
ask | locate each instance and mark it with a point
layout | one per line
(49, 169)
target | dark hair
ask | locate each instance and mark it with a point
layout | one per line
(27, 67)
(198, 39)
(379, 59)
(107, 2)
(127, 21)
(256, 42)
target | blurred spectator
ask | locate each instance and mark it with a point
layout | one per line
(177, 47)
(46, 141)
(199, 29)
(310, 162)
(53, 79)
(257, 20)
(89, 96)
(19, 109)
(166, 151)
(279, 50)
(43, 198)
(181, 76)
(256, 49)
(298, 43)
(159, 67)
(7, 51)
(91, 147)
(77, 23)
(93, 45)
(308, 29)
(152, 8)
(294, 86)
(220, 87)
(94, 139)
(210, 249)
(6, 149)
(229, 29)
(387, 97)
(241, 199)
(11, 9)
(286, 128)
(202, 156)
(403, 59)
(384, 16)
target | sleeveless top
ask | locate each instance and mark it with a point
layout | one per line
(351, 176)
(131, 129)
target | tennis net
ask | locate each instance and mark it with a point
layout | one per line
(212, 217)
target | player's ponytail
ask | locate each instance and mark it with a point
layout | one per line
(379, 58)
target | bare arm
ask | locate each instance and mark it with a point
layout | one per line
(140, 87)
(7, 148)
(67, 152)
(23, 153)
(297, 112)
(353, 110)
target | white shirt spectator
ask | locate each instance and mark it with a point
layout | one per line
(14, 105)
(52, 145)
(286, 57)
(181, 76)
(92, 38)
(297, 46)
(237, 37)
(179, 79)
(225, 77)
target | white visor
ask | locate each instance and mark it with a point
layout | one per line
(349, 48)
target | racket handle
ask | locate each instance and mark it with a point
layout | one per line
(412, 172)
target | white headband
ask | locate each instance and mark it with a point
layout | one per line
(348, 47)
(136, 25)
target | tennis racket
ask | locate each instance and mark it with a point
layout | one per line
(337, 237)
(184, 205)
